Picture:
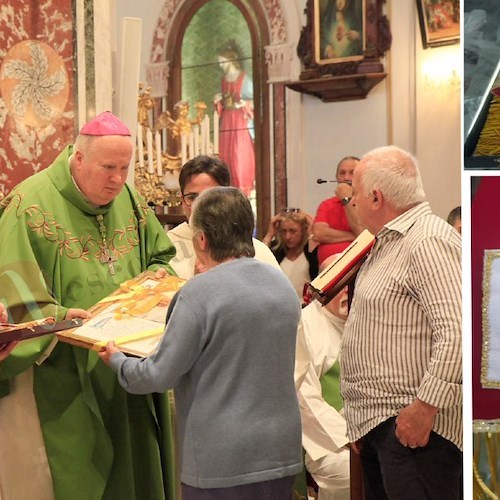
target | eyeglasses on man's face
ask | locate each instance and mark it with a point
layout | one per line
(291, 210)
(188, 198)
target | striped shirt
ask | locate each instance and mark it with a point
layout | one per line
(402, 339)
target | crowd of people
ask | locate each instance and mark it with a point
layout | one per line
(263, 383)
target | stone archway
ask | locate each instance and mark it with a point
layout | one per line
(278, 54)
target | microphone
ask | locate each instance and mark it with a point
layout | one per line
(322, 181)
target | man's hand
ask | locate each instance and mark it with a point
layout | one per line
(356, 447)
(3, 314)
(77, 313)
(160, 273)
(343, 190)
(108, 351)
(414, 424)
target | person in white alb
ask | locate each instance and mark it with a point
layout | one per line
(324, 437)
(401, 359)
(200, 173)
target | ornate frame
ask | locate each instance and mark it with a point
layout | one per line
(377, 41)
(346, 78)
(436, 40)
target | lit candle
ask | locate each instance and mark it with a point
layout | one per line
(216, 132)
(183, 149)
(140, 145)
(149, 143)
(159, 169)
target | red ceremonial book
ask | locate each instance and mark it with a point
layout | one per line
(342, 270)
(10, 332)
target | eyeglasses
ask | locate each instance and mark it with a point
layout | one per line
(189, 198)
(291, 210)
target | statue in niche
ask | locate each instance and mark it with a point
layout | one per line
(234, 104)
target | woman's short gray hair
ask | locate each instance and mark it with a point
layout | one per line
(394, 172)
(225, 216)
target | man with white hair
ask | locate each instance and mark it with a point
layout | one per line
(401, 359)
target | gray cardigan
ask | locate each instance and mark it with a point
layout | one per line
(229, 351)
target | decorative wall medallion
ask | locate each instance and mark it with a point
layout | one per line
(34, 83)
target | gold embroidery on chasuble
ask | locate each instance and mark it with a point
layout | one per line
(120, 242)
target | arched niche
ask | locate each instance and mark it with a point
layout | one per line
(270, 66)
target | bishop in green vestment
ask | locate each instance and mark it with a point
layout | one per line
(69, 235)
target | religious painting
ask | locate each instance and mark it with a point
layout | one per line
(218, 69)
(339, 30)
(439, 22)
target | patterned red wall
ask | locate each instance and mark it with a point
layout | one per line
(484, 212)
(37, 105)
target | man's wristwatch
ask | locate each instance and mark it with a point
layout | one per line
(345, 200)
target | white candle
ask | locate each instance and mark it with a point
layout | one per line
(203, 146)
(149, 143)
(183, 149)
(216, 132)
(207, 134)
(129, 68)
(140, 145)
(159, 169)
(196, 135)
(191, 145)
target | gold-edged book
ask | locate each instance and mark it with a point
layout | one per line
(10, 332)
(342, 270)
(133, 316)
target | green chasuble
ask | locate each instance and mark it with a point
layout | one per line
(101, 442)
(330, 386)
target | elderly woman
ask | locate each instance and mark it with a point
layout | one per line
(228, 350)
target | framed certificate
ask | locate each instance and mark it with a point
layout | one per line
(133, 316)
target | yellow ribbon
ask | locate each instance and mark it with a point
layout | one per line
(130, 338)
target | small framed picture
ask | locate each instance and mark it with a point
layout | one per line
(439, 22)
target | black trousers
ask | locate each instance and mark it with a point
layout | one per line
(393, 471)
(276, 489)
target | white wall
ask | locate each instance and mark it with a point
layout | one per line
(332, 131)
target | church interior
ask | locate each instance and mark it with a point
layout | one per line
(160, 65)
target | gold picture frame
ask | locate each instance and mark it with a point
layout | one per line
(439, 22)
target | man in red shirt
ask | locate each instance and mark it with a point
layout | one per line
(335, 225)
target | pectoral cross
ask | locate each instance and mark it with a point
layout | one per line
(108, 258)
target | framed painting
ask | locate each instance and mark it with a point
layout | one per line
(339, 30)
(343, 37)
(341, 49)
(439, 22)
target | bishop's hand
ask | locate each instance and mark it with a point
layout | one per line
(74, 312)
